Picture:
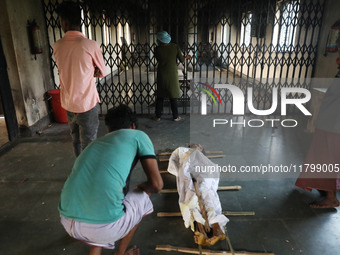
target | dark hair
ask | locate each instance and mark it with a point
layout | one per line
(70, 11)
(120, 117)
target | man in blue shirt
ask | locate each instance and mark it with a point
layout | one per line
(96, 206)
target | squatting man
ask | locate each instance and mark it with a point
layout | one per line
(96, 206)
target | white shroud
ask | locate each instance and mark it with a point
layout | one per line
(186, 163)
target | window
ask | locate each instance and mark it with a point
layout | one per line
(245, 38)
(124, 34)
(286, 19)
(86, 29)
(224, 32)
(106, 32)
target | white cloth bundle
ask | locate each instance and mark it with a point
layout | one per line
(186, 163)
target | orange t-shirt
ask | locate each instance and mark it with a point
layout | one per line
(76, 58)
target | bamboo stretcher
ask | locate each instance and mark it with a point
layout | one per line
(204, 229)
(205, 251)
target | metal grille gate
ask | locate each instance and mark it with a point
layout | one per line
(243, 42)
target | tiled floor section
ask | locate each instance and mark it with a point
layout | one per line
(33, 173)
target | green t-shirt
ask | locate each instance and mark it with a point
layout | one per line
(95, 189)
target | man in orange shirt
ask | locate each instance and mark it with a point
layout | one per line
(79, 60)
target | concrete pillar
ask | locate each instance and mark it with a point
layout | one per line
(29, 75)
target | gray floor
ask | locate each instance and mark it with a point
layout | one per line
(33, 173)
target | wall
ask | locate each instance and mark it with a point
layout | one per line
(29, 78)
(325, 65)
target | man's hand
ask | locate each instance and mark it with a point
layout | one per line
(144, 186)
(154, 181)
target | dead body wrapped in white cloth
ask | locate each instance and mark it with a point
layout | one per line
(185, 164)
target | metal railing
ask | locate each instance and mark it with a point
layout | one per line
(229, 40)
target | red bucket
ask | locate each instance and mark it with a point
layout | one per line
(59, 113)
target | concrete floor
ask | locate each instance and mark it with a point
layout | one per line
(34, 170)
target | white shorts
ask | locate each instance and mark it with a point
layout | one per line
(137, 205)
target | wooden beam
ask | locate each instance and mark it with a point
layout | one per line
(205, 251)
(226, 213)
(221, 188)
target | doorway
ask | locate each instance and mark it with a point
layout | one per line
(3, 127)
(8, 121)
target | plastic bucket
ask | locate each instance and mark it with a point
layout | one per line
(59, 113)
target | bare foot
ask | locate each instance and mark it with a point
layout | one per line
(325, 203)
(132, 251)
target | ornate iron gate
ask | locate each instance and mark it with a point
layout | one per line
(228, 40)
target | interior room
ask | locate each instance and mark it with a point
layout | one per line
(250, 93)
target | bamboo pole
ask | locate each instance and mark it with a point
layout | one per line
(221, 188)
(202, 207)
(205, 251)
(212, 156)
(216, 156)
(226, 213)
(207, 152)
(214, 152)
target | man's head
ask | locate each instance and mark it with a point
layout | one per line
(70, 16)
(120, 117)
(163, 37)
